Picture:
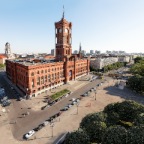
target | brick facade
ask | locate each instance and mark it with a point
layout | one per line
(35, 77)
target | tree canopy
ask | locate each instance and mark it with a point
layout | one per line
(118, 123)
(115, 135)
(77, 137)
(136, 82)
(138, 59)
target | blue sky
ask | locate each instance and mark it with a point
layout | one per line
(28, 25)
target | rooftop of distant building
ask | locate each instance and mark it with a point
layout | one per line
(32, 62)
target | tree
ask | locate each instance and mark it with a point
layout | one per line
(112, 113)
(94, 125)
(2, 65)
(129, 110)
(138, 68)
(77, 137)
(135, 135)
(119, 123)
(115, 135)
(139, 120)
(125, 111)
(136, 83)
(91, 118)
(138, 59)
(96, 131)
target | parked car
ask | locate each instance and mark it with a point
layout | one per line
(51, 103)
(70, 92)
(29, 134)
(85, 94)
(54, 116)
(73, 99)
(65, 108)
(20, 99)
(36, 129)
(98, 85)
(45, 100)
(6, 103)
(69, 105)
(74, 102)
(77, 100)
(91, 90)
(45, 123)
(45, 107)
(40, 126)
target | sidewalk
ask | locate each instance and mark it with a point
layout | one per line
(12, 85)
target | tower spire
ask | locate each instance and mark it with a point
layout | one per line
(63, 12)
(80, 48)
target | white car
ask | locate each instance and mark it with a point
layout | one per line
(69, 105)
(77, 100)
(74, 102)
(73, 99)
(29, 134)
(45, 123)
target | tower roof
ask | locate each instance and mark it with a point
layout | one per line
(63, 12)
(63, 20)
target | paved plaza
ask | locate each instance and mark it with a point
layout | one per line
(107, 93)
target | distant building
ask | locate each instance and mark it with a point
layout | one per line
(8, 52)
(121, 52)
(49, 57)
(99, 63)
(91, 51)
(76, 52)
(97, 52)
(83, 52)
(108, 52)
(53, 52)
(124, 58)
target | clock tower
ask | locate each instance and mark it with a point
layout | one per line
(63, 39)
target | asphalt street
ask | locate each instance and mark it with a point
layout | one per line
(24, 124)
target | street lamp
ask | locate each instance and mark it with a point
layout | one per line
(27, 93)
(52, 125)
(95, 94)
(77, 107)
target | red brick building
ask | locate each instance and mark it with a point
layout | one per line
(37, 76)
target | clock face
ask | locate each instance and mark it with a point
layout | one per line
(66, 30)
(60, 30)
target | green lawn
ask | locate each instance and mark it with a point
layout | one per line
(59, 94)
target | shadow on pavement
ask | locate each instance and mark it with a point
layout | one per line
(125, 94)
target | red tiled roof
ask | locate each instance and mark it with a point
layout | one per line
(2, 56)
